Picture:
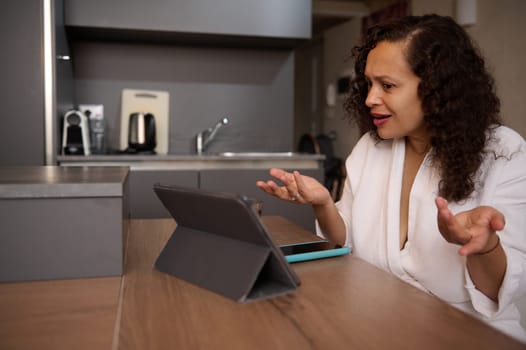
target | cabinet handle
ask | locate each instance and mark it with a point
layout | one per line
(63, 58)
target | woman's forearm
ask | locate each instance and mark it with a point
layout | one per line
(330, 222)
(487, 270)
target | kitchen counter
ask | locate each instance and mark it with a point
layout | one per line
(227, 160)
(229, 172)
(60, 222)
(57, 182)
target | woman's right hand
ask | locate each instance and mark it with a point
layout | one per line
(296, 188)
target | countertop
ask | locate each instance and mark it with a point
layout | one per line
(239, 160)
(59, 182)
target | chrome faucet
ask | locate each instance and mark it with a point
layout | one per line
(204, 138)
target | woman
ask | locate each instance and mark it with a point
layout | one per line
(436, 188)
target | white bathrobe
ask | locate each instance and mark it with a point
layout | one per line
(370, 208)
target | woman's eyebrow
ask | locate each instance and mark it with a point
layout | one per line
(380, 77)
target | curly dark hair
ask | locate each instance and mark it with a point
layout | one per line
(458, 94)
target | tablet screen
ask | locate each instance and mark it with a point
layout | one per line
(307, 247)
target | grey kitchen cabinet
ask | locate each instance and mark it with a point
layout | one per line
(30, 92)
(22, 97)
(194, 19)
(243, 182)
(144, 204)
(237, 174)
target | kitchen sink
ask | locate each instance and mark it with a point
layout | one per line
(258, 154)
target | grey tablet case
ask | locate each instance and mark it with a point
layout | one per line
(221, 244)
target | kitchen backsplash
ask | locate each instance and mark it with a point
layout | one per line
(253, 87)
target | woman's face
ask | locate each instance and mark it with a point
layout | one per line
(395, 106)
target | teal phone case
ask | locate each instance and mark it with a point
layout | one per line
(320, 254)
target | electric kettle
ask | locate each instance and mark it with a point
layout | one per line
(141, 133)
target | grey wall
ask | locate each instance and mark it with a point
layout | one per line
(309, 95)
(338, 42)
(499, 31)
(254, 87)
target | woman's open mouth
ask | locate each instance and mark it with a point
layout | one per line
(379, 119)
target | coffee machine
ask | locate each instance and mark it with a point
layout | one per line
(76, 134)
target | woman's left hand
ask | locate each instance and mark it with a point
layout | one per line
(472, 229)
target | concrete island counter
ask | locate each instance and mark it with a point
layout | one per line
(62, 222)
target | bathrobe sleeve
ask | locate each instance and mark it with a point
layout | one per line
(505, 189)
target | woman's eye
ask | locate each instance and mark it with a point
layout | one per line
(387, 86)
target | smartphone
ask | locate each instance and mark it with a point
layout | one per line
(312, 250)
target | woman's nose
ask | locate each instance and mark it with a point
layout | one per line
(373, 98)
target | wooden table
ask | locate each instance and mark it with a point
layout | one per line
(342, 303)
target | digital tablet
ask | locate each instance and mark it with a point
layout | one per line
(312, 251)
(221, 244)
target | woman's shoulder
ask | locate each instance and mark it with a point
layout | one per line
(508, 134)
(506, 141)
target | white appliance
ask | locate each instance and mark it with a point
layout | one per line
(76, 134)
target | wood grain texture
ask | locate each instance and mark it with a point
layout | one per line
(342, 303)
(62, 314)
(160, 311)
